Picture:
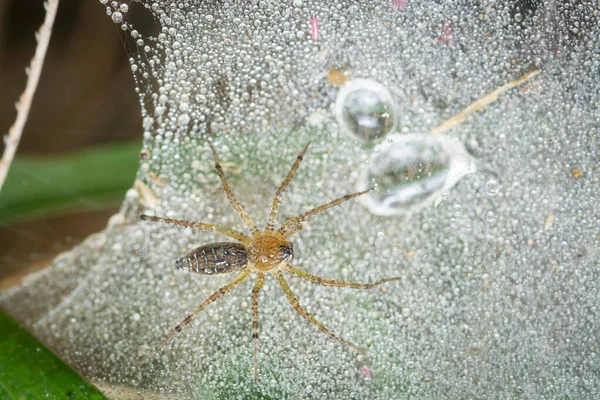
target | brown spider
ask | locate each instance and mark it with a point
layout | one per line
(264, 252)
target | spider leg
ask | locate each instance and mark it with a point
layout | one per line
(255, 291)
(328, 282)
(236, 205)
(223, 230)
(294, 302)
(279, 193)
(293, 225)
(220, 292)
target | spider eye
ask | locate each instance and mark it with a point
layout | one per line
(287, 252)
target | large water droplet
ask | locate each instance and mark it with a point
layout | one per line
(365, 110)
(411, 171)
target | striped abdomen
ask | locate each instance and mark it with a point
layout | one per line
(215, 258)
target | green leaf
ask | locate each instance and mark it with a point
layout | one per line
(88, 179)
(30, 371)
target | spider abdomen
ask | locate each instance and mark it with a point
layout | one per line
(215, 258)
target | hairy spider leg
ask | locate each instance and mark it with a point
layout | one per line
(328, 282)
(255, 291)
(279, 194)
(223, 230)
(294, 302)
(293, 225)
(236, 205)
(220, 292)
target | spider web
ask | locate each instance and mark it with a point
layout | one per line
(499, 292)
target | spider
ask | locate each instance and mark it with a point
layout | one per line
(260, 253)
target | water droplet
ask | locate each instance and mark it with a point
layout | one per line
(457, 210)
(492, 187)
(147, 122)
(117, 17)
(412, 172)
(159, 110)
(365, 110)
(183, 119)
(490, 217)
(143, 350)
(184, 106)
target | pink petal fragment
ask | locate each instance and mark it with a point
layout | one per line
(446, 32)
(314, 28)
(366, 372)
(399, 5)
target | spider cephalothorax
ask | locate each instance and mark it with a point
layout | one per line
(267, 251)
(261, 253)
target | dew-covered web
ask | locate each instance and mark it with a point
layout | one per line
(493, 225)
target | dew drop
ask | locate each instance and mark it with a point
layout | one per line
(411, 172)
(159, 110)
(492, 187)
(490, 217)
(147, 122)
(117, 17)
(457, 210)
(183, 119)
(365, 110)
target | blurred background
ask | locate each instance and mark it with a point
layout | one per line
(85, 101)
